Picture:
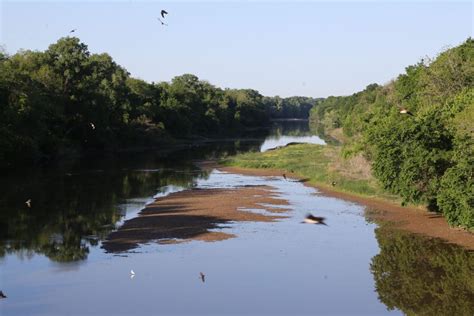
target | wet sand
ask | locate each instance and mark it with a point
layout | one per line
(194, 214)
(415, 220)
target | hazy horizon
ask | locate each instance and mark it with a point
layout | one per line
(313, 49)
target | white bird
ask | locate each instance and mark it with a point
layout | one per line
(92, 125)
(405, 111)
(28, 202)
(132, 272)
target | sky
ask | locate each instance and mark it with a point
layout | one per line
(310, 48)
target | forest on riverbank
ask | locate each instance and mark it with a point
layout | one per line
(416, 132)
(66, 101)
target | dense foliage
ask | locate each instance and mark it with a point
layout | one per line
(425, 156)
(66, 100)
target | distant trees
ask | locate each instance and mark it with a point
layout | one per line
(67, 100)
(425, 158)
(291, 107)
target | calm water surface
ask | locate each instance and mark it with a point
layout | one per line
(52, 263)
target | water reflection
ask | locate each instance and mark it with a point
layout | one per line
(292, 131)
(76, 206)
(422, 276)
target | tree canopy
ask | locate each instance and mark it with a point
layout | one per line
(68, 100)
(425, 156)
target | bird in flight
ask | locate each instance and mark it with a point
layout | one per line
(72, 31)
(310, 219)
(2, 295)
(163, 12)
(202, 276)
(405, 111)
(92, 125)
(28, 202)
(284, 176)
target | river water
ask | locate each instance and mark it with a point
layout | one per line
(52, 261)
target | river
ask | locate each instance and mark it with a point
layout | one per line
(52, 259)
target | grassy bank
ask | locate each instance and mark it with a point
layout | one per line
(320, 165)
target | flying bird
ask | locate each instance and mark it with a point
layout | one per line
(28, 202)
(202, 276)
(92, 125)
(72, 31)
(405, 111)
(2, 295)
(310, 219)
(163, 12)
(132, 274)
(333, 183)
(284, 176)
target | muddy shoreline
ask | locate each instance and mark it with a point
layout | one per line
(412, 219)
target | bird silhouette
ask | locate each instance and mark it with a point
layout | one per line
(202, 276)
(28, 202)
(72, 31)
(405, 111)
(2, 295)
(310, 219)
(284, 176)
(163, 12)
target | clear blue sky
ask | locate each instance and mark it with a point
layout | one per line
(284, 48)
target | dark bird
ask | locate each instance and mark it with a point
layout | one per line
(72, 31)
(162, 23)
(28, 202)
(405, 111)
(163, 12)
(202, 276)
(284, 176)
(2, 295)
(310, 219)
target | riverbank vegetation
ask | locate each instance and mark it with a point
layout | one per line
(321, 165)
(413, 136)
(67, 101)
(426, 156)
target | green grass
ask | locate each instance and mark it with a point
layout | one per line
(314, 162)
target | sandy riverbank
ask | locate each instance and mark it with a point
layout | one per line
(194, 215)
(412, 219)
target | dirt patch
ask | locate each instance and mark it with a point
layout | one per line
(416, 220)
(193, 214)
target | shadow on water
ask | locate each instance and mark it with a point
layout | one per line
(422, 276)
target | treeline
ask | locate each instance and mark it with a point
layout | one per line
(66, 100)
(417, 132)
(291, 107)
